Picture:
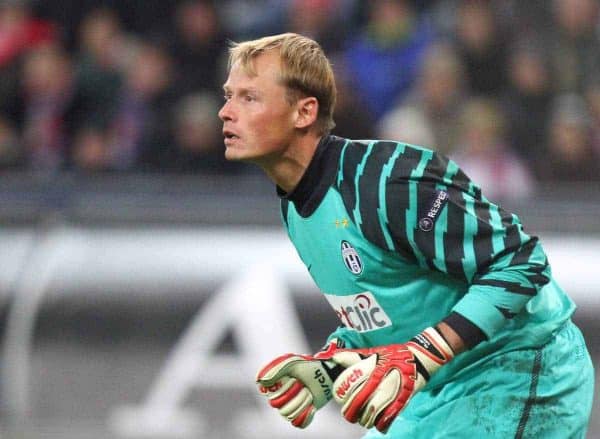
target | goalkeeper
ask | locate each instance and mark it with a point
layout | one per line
(451, 322)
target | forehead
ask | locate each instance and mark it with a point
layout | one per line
(264, 69)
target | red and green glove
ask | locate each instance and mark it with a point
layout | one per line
(298, 385)
(373, 385)
(377, 383)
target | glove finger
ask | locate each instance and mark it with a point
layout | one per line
(292, 399)
(305, 417)
(281, 398)
(293, 406)
(277, 388)
(351, 378)
(402, 397)
(347, 358)
(354, 386)
(276, 369)
(384, 394)
(354, 408)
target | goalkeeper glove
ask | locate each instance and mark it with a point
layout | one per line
(298, 385)
(378, 382)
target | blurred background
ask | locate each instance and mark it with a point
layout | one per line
(143, 280)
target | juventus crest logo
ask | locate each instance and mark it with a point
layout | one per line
(351, 258)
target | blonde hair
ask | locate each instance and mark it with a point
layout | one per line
(305, 70)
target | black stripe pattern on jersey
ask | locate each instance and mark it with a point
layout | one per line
(453, 243)
(352, 157)
(425, 239)
(471, 239)
(397, 198)
(368, 184)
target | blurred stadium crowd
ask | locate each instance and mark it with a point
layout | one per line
(510, 89)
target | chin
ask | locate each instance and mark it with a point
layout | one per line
(235, 155)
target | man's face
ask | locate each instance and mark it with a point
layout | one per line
(258, 121)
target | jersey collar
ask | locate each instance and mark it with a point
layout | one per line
(318, 177)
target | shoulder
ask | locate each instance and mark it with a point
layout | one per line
(381, 173)
(357, 153)
(396, 161)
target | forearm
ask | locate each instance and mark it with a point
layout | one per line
(454, 340)
(460, 333)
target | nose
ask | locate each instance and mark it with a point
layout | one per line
(226, 113)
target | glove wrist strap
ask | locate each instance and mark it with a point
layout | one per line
(431, 351)
(326, 354)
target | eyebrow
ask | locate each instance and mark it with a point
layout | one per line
(242, 90)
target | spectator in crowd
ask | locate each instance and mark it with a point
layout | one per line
(19, 33)
(570, 156)
(575, 45)
(100, 64)
(482, 47)
(385, 57)
(46, 107)
(198, 47)
(527, 103)
(485, 155)
(430, 114)
(138, 127)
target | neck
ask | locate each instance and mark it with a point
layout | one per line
(287, 169)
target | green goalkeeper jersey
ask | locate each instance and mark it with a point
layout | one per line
(398, 238)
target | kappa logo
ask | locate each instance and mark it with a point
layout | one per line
(351, 258)
(426, 223)
(360, 312)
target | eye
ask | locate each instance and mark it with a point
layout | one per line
(249, 98)
(227, 96)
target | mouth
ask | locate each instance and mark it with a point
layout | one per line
(229, 136)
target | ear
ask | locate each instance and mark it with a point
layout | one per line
(307, 112)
